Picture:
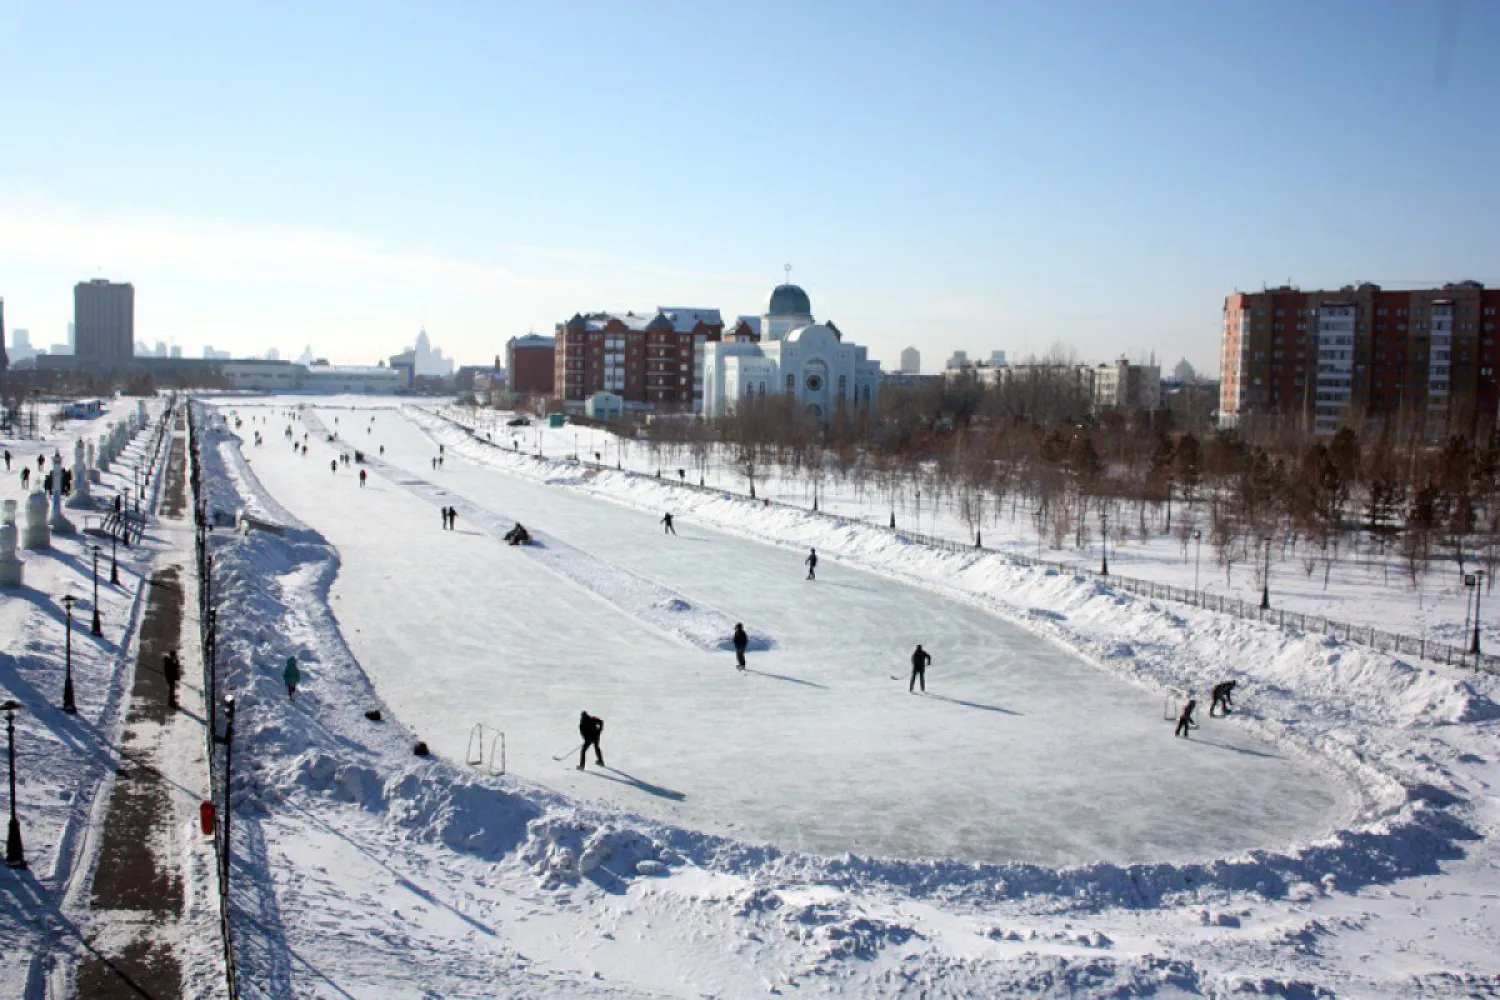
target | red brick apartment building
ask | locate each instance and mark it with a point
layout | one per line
(651, 359)
(529, 364)
(1362, 355)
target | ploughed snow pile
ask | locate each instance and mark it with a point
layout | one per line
(1363, 713)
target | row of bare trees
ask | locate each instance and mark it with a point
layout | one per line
(1033, 449)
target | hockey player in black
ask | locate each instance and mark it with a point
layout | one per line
(666, 521)
(1185, 720)
(812, 564)
(591, 728)
(1223, 694)
(741, 643)
(919, 660)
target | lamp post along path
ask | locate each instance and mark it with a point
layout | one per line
(68, 704)
(15, 851)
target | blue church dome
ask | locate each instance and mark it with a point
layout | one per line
(788, 300)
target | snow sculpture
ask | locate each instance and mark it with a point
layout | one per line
(59, 523)
(80, 497)
(11, 568)
(36, 534)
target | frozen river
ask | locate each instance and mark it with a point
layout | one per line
(1019, 751)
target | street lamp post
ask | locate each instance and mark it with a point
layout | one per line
(15, 851)
(114, 567)
(1478, 590)
(1265, 579)
(228, 779)
(98, 625)
(69, 705)
(1197, 555)
(1104, 543)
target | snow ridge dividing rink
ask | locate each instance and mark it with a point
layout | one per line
(660, 608)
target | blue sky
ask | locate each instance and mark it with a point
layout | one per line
(949, 175)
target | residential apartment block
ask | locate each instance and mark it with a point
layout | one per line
(104, 319)
(1363, 354)
(652, 360)
(1122, 385)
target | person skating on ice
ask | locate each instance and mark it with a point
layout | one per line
(812, 564)
(1223, 695)
(741, 643)
(591, 728)
(667, 528)
(1185, 720)
(919, 660)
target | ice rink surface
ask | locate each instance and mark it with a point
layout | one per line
(1019, 750)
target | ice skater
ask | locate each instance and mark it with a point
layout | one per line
(666, 521)
(812, 564)
(1223, 695)
(292, 677)
(919, 660)
(334, 465)
(741, 643)
(171, 669)
(1185, 720)
(452, 518)
(591, 728)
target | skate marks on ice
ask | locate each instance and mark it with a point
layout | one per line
(659, 608)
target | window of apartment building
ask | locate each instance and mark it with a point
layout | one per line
(791, 383)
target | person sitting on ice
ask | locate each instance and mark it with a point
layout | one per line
(1222, 694)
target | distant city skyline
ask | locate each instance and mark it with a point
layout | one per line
(1102, 184)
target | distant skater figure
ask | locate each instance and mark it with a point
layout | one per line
(452, 518)
(591, 728)
(1185, 720)
(666, 521)
(741, 643)
(382, 449)
(292, 676)
(434, 462)
(443, 511)
(361, 478)
(334, 465)
(919, 660)
(812, 564)
(7, 460)
(171, 669)
(1223, 694)
(25, 476)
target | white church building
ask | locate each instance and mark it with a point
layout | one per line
(786, 352)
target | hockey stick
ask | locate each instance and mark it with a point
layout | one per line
(564, 756)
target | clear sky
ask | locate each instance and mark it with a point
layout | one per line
(949, 175)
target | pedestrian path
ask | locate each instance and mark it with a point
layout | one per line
(154, 869)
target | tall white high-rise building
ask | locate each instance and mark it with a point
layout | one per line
(911, 361)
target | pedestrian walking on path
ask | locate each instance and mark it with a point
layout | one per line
(334, 465)
(812, 564)
(1185, 720)
(292, 676)
(591, 728)
(25, 476)
(1223, 694)
(666, 521)
(361, 478)
(919, 660)
(741, 643)
(171, 668)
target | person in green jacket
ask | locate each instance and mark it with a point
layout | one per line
(292, 676)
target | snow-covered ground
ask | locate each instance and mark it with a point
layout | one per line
(811, 828)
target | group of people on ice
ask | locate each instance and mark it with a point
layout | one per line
(1222, 704)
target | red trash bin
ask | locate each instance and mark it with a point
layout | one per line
(206, 818)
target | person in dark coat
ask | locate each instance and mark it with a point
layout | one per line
(452, 518)
(171, 668)
(741, 643)
(591, 728)
(812, 564)
(666, 521)
(25, 476)
(1223, 693)
(1185, 720)
(919, 660)
(361, 478)
(7, 460)
(291, 676)
(334, 466)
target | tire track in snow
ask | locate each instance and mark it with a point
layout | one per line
(658, 607)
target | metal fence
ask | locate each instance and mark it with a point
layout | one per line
(1289, 621)
(208, 645)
